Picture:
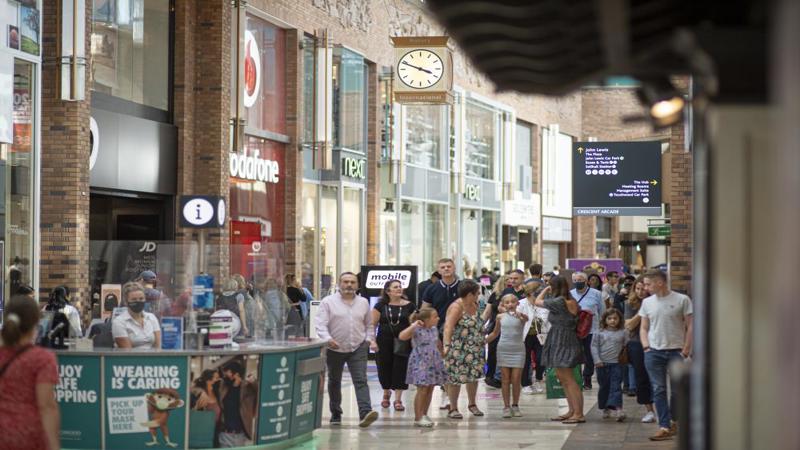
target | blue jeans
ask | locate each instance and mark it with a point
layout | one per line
(657, 364)
(609, 377)
(631, 372)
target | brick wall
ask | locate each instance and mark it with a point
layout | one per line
(681, 203)
(64, 224)
(584, 236)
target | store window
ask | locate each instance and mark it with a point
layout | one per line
(328, 239)
(130, 50)
(424, 135)
(435, 246)
(470, 241)
(16, 179)
(264, 76)
(603, 237)
(260, 200)
(490, 252)
(309, 235)
(387, 239)
(411, 232)
(308, 92)
(351, 229)
(480, 143)
(349, 100)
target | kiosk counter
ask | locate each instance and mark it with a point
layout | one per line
(261, 395)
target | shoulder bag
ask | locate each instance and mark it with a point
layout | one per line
(623, 355)
(401, 348)
(584, 319)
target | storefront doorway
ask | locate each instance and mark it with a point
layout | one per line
(115, 218)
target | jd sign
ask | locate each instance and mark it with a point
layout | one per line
(354, 168)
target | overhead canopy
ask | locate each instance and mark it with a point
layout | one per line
(555, 46)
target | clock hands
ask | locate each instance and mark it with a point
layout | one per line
(418, 68)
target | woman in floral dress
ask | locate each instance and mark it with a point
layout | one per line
(464, 343)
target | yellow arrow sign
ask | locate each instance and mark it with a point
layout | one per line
(580, 150)
(654, 182)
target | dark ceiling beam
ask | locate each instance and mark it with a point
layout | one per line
(613, 19)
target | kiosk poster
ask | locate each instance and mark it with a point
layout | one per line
(224, 401)
(277, 385)
(145, 404)
(78, 396)
(172, 333)
(305, 397)
(616, 178)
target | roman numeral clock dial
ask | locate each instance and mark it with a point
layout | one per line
(420, 69)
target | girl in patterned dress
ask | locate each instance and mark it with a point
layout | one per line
(425, 365)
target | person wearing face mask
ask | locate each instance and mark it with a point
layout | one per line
(135, 328)
(591, 300)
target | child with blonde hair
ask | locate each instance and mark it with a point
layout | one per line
(425, 365)
(510, 352)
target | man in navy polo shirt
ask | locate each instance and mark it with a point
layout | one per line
(442, 294)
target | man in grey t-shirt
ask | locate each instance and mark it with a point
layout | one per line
(666, 334)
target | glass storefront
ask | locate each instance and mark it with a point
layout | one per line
(130, 50)
(435, 248)
(328, 239)
(308, 235)
(257, 188)
(17, 180)
(470, 241)
(349, 100)
(352, 234)
(490, 252)
(411, 233)
(480, 140)
(425, 135)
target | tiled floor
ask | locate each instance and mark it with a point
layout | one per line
(394, 430)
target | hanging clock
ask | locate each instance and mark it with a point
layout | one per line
(420, 69)
(423, 70)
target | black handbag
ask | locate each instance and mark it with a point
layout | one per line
(400, 347)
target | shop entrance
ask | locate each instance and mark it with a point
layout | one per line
(114, 218)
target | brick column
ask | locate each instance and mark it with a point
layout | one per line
(65, 147)
(584, 235)
(203, 112)
(615, 237)
(293, 172)
(681, 204)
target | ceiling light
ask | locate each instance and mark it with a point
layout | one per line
(664, 101)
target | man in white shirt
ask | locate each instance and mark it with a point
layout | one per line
(666, 334)
(344, 321)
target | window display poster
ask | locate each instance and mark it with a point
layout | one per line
(145, 404)
(203, 292)
(78, 396)
(305, 398)
(6, 98)
(29, 27)
(111, 295)
(13, 37)
(224, 397)
(277, 387)
(172, 333)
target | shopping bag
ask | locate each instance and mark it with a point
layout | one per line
(554, 388)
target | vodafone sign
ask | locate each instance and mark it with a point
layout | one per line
(252, 69)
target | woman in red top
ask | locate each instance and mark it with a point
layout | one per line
(29, 416)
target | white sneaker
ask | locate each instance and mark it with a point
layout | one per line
(507, 413)
(649, 417)
(537, 388)
(445, 402)
(515, 412)
(424, 422)
(606, 413)
(620, 415)
(528, 390)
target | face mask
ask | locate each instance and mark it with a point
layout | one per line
(136, 307)
(580, 285)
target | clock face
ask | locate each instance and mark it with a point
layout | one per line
(420, 69)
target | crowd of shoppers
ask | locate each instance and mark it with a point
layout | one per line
(527, 326)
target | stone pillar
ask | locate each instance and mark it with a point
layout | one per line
(65, 149)
(293, 168)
